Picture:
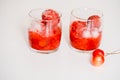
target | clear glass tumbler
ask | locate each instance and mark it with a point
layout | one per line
(44, 32)
(85, 29)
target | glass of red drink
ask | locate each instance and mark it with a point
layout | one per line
(44, 33)
(85, 29)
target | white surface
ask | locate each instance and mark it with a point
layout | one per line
(17, 62)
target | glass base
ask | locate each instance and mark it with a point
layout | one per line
(82, 51)
(43, 51)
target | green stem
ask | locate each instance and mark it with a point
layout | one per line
(114, 52)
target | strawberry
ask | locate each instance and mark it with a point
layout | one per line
(77, 25)
(94, 21)
(51, 17)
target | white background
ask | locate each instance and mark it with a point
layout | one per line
(17, 62)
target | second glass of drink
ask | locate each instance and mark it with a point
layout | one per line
(85, 29)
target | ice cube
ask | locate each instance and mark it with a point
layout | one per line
(95, 33)
(86, 33)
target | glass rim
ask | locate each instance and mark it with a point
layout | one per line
(42, 9)
(72, 13)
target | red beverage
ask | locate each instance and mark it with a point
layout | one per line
(84, 39)
(43, 41)
(44, 33)
(85, 29)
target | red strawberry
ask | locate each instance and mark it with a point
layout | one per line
(94, 21)
(77, 25)
(51, 17)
